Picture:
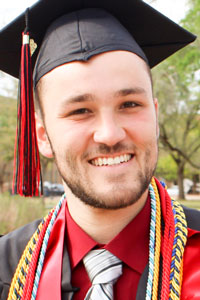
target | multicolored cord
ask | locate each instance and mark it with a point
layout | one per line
(44, 248)
(175, 235)
(155, 235)
(180, 239)
(32, 257)
(25, 282)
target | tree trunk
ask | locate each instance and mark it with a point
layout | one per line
(2, 177)
(180, 175)
(1, 186)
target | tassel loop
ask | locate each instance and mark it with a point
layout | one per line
(26, 21)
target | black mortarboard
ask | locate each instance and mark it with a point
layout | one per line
(158, 36)
(68, 30)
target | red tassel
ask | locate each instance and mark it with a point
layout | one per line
(27, 173)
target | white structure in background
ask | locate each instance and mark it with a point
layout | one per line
(173, 190)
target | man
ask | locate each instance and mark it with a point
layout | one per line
(115, 234)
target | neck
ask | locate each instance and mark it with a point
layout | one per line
(102, 224)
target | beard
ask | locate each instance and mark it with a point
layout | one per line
(118, 197)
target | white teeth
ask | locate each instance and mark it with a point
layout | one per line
(126, 157)
(111, 161)
(104, 161)
(117, 160)
(100, 161)
(121, 158)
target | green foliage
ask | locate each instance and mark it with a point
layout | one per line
(17, 211)
(176, 85)
(8, 112)
(166, 168)
(192, 20)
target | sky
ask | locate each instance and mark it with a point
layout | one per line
(174, 9)
(9, 9)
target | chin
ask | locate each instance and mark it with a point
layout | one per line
(112, 199)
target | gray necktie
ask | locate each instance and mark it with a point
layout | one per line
(103, 269)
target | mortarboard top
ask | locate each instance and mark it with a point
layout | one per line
(158, 36)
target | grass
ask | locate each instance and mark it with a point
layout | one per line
(191, 203)
(17, 211)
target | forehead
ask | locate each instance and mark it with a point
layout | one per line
(103, 71)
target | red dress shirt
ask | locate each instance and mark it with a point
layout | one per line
(134, 236)
(130, 245)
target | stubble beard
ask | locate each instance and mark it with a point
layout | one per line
(83, 189)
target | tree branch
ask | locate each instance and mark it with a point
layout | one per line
(166, 142)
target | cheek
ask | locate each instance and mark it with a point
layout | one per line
(72, 139)
(143, 128)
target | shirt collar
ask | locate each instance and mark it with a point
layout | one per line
(130, 245)
(79, 243)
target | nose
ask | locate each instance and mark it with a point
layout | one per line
(109, 132)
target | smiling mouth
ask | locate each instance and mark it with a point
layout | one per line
(110, 161)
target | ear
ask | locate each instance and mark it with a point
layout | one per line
(156, 110)
(42, 138)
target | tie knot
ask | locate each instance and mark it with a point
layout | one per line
(102, 266)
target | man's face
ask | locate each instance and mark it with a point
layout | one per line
(101, 121)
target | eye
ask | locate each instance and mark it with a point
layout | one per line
(129, 104)
(79, 111)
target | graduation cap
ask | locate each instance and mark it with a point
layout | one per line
(69, 30)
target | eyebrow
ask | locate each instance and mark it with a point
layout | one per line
(130, 91)
(89, 97)
(78, 99)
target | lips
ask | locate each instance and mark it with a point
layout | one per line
(110, 161)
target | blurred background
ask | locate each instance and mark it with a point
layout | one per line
(176, 85)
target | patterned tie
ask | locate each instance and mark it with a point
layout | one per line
(103, 270)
